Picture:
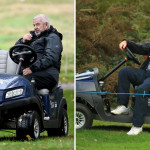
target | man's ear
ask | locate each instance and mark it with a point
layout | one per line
(46, 25)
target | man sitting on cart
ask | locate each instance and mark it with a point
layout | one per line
(140, 77)
(46, 42)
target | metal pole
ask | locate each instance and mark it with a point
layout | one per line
(19, 66)
(66, 54)
(114, 69)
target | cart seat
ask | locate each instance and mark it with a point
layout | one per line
(46, 91)
(6, 64)
(43, 91)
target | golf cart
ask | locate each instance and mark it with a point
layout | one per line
(24, 108)
(91, 99)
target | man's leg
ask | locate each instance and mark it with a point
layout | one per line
(141, 103)
(140, 108)
(127, 76)
(42, 80)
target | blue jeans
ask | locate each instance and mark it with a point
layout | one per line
(136, 77)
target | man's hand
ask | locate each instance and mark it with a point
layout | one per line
(123, 45)
(27, 37)
(27, 71)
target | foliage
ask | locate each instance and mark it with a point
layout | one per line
(101, 26)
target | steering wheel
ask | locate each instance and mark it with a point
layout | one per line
(130, 56)
(24, 52)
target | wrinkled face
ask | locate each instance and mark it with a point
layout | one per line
(39, 26)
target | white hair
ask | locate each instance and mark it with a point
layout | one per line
(44, 18)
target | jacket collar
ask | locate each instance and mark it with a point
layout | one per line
(47, 32)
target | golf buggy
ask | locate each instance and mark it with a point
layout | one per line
(91, 99)
(24, 108)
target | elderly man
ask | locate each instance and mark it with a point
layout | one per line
(46, 42)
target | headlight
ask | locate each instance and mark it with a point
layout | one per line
(14, 93)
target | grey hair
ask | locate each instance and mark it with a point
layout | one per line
(44, 18)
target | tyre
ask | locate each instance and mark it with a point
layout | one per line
(64, 127)
(20, 134)
(22, 125)
(35, 127)
(28, 124)
(84, 117)
(64, 124)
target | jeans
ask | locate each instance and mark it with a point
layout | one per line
(136, 77)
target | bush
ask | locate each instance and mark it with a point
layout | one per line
(101, 26)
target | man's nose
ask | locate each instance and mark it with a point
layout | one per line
(35, 27)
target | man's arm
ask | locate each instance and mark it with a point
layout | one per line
(53, 49)
(27, 71)
(123, 45)
(26, 38)
(142, 49)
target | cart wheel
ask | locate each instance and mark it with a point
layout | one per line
(28, 124)
(63, 130)
(21, 127)
(20, 134)
(64, 124)
(84, 117)
(34, 129)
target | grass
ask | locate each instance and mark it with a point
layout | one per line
(16, 20)
(111, 136)
(8, 139)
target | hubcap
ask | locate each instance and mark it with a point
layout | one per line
(80, 119)
(36, 128)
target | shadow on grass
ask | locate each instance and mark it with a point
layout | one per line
(14, 138)
(115, 128)
(8, 138)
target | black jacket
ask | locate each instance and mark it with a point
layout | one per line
(48, 47)
(142, 49)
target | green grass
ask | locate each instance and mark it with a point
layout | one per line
(8, 140)
(112, 136)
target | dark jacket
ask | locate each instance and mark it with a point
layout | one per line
(48, 47)
(142, 49)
